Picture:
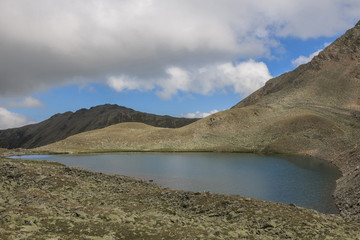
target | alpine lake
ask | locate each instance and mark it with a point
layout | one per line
(303, 181)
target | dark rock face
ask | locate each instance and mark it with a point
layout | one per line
(61, 126)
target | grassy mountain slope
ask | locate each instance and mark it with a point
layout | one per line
(61, 126)
(312, 110)
(231, 130)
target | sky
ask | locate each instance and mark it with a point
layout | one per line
(184, 58)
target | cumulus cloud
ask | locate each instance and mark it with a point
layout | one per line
(242, 78)
(198, 114)
(11, 120)
(305, 59)
(56, 42)
(28, 102)
(179, 79)
(245, 77)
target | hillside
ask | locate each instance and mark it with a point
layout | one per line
(44, 200)
(331, 79)
(312, 110)
(61, 126)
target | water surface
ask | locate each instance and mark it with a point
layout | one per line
(304, 181)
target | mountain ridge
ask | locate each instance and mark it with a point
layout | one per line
(63, 125)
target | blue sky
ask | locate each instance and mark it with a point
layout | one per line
(179, 58)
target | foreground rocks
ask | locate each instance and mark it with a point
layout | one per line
(41, 200)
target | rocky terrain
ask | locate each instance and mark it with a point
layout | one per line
(313, 110)
(61, 126)
(42, 200)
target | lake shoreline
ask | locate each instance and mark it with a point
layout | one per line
(338, 200)
(52, 200)
(304, 181)
(345, 160)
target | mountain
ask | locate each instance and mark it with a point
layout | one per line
(313, 110)
(61, 126)
(331, 79)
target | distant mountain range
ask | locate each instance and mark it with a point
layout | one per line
(313, 110)
(61, 126)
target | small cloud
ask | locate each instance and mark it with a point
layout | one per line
(84, 86)
(123, 83)
(326, 44)
(198, 114)
(303, 59)
(12, 120)
(244, 77)
(28, 102)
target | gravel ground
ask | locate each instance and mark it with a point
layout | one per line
(42, 200)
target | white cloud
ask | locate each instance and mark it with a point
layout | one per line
(55, 42)
(198, 114)
(304, 59)
(326, 44)
(28, 102)
(245, 77)
(123, 83)
(179, 79)
(242, 78)
(11, 120)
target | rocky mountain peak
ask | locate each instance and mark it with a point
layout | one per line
(347, 46)
(330, 79)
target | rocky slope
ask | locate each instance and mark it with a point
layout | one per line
(61, 126)
(40, 200)
(331, 79)
(312, 110)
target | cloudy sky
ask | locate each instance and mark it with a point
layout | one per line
(177, 57)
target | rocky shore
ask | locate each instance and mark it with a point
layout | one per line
(42, 200)
(321, 132)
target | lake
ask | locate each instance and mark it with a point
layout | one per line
(304, 181)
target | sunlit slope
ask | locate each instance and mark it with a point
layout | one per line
(249, 129)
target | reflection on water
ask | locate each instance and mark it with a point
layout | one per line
(301, 180)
